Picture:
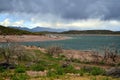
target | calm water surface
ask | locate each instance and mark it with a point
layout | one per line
(81, 42)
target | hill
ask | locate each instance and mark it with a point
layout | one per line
(91, 32)
(41, 30)
(12, 31)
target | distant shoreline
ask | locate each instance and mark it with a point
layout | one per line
(92, 34)
(30, 38)
(49, 37)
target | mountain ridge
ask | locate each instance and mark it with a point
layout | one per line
(91, 32)
(24, 30)
(38, 29)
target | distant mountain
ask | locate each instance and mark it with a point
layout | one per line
(39, 29)
(12, 31)
(21, 28)
(91, 32)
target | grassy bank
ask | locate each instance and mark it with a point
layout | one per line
(50, 64)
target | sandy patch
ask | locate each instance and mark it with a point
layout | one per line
(29, 38)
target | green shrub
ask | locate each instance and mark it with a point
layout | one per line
(81, 72)
(60, 71)
(20, 77)
(97, 71)
(38, 67)
(69, 69)
(92, 70)
(4, 74)
(86, 69)
(2, 69)
(102, 62)
(51, 73)
(20, 69)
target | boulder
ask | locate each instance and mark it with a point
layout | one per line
(115, 72)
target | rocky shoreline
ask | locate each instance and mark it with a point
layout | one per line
(30, 38)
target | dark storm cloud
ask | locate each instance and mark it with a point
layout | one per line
(68, 9)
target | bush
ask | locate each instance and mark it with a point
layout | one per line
(102, 63)
(97, 71)
(20, 69)
(5, 74)
(55, 73)
(92, 70)
(60, 71)
(69, 69)
(2, 69)
(81, 72)
(54, 50)
(20, 77)
(38, 67)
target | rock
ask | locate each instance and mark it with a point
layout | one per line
(6, 65)
(115, 72)
(66, 64)
(37, 73)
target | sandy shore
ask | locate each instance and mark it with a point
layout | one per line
(30, 38)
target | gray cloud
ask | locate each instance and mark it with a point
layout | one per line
(67, 9)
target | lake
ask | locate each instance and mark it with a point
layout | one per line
(79, 42)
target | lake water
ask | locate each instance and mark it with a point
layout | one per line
(82, 42)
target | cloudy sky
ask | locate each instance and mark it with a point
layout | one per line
(65, 14)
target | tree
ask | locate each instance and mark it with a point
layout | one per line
(10, 50)
(54, 50)
(110, 53)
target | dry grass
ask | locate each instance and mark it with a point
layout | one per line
(73, 77)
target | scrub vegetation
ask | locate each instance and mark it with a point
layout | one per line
(19, 63)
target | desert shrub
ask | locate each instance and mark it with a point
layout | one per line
(86, 69)
(4, 74)
(92, 70)
(51, 73)
(62, 56)
(56, 72)
(102, 62)
(97, 71)
(11, 51)
(60, 71)
(38, 67)
(20, 77)
(69, 69)
(111, 53)
(54, 50)
(20, 69)
(53, 66)
(2, 69)
(81, 72)
(75, 60)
